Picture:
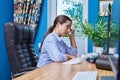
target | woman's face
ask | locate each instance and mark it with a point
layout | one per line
(64, 28)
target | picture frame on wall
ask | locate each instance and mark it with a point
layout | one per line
(103, 7)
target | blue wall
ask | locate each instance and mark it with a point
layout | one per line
(93, 13)
(116, 16)
(92, 16)
(6, 15)
(116, 11)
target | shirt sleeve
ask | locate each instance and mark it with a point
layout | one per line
(53, 51)
(70, 50)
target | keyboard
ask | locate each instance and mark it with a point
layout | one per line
(73, 61)
(85, 75)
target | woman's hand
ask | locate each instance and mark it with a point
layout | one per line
(72, 39)
(69, 56)
(71, 33)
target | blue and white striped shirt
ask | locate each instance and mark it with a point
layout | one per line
(54, 50)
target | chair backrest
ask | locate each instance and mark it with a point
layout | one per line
(19, 46)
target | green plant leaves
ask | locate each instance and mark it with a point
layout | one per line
(98, 32)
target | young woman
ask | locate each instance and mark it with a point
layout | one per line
(53, 48)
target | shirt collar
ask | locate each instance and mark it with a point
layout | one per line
(57, 37)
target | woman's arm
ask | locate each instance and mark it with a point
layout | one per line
(73, 49)
(72, 38)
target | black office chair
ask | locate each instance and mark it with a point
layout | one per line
(19, 46)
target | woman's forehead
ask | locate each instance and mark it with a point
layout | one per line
(68, 22)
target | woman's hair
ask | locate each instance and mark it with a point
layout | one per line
(59, 19)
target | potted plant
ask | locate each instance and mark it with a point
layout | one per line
(96, 32)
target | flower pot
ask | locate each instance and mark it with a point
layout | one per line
(98, 50)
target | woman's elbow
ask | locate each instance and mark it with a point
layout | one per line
(60, 58)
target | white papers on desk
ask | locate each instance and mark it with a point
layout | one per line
(73, 61)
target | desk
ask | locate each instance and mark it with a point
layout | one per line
(59, 71)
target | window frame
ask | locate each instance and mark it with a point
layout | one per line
(52, 13)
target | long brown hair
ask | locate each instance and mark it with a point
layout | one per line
(59, 19)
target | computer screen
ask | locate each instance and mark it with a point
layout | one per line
(114, 61)
(115, 17)
(118, 73)
(113, 39)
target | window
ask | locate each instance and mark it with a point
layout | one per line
(76, 10)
